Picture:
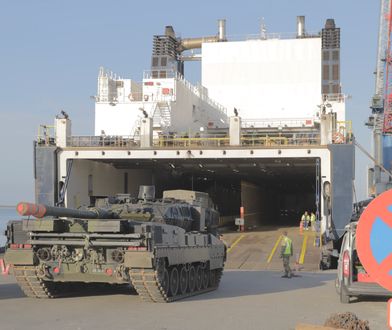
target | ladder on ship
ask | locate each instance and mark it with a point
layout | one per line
(162, 115)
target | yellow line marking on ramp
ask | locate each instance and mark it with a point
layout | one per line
(274, 249)
(235, 243)
(303, 250)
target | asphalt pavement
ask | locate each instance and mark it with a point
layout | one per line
(244, 300)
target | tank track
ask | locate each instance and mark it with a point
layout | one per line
(150, 287)
(32, 286)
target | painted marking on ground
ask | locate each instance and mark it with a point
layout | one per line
(303, 250)
(235, 243)
(274, 249)
(5, 269)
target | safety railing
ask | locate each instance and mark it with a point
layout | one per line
(266, 36)
(46, 135)
(199, 91)
(185, 142)
(337, 97)
(291, 140)
(343, 133)
(280, 123)
(246, 141)
(207, 141)
(102, 141)
(210, 141)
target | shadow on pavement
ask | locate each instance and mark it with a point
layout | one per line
(233, 284)
(251, 283)
(12, 290)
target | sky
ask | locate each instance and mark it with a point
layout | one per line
(50, 52)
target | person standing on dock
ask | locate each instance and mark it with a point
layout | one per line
(286, 253)
(313, 221)
(305, 220)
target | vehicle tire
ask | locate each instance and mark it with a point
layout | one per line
(337, 286)
(191, 279)
(174, 281)
(344, 297)
(183, 280)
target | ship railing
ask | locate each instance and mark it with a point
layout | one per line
(268, 36)
(247, 140)
(46, 135)
(343, 133)
(199, 90)
(115, 141)
(157, 74)
(303, 139)
(280, 123)
(186, 142)
(337, 97)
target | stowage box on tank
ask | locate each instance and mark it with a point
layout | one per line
(166, 249)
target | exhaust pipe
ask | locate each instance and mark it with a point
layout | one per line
(222, 30)
(300, 26)
(192, 43)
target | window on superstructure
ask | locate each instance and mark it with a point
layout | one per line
(335, 55)
(154, 74)
(162, 74)
(335, 72)
(163, 61)
(326, 55)
(155, 61)
(336, 89)
(325, 72)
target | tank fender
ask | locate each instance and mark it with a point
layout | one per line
(20, 257)
(138, 259)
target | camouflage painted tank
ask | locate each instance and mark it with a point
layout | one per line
(166, 249)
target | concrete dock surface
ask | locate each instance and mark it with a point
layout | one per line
(246, 299)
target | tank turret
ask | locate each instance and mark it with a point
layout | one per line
(167, 249)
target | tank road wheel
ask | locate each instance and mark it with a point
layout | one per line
(164, 280)
(183, 279)
(205, 275)
(199, 278)
(212, 278)
(192, 278)
(174, 282)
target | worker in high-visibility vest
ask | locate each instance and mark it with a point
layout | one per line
(305, 220)
(286, 253)
(313, 221)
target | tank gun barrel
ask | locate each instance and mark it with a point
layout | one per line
(41, 210)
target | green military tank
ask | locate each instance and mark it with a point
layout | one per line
(166, 249)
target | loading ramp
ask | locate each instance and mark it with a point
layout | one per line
(254, 250)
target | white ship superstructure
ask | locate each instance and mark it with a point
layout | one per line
(174, 104)
(278, 145)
